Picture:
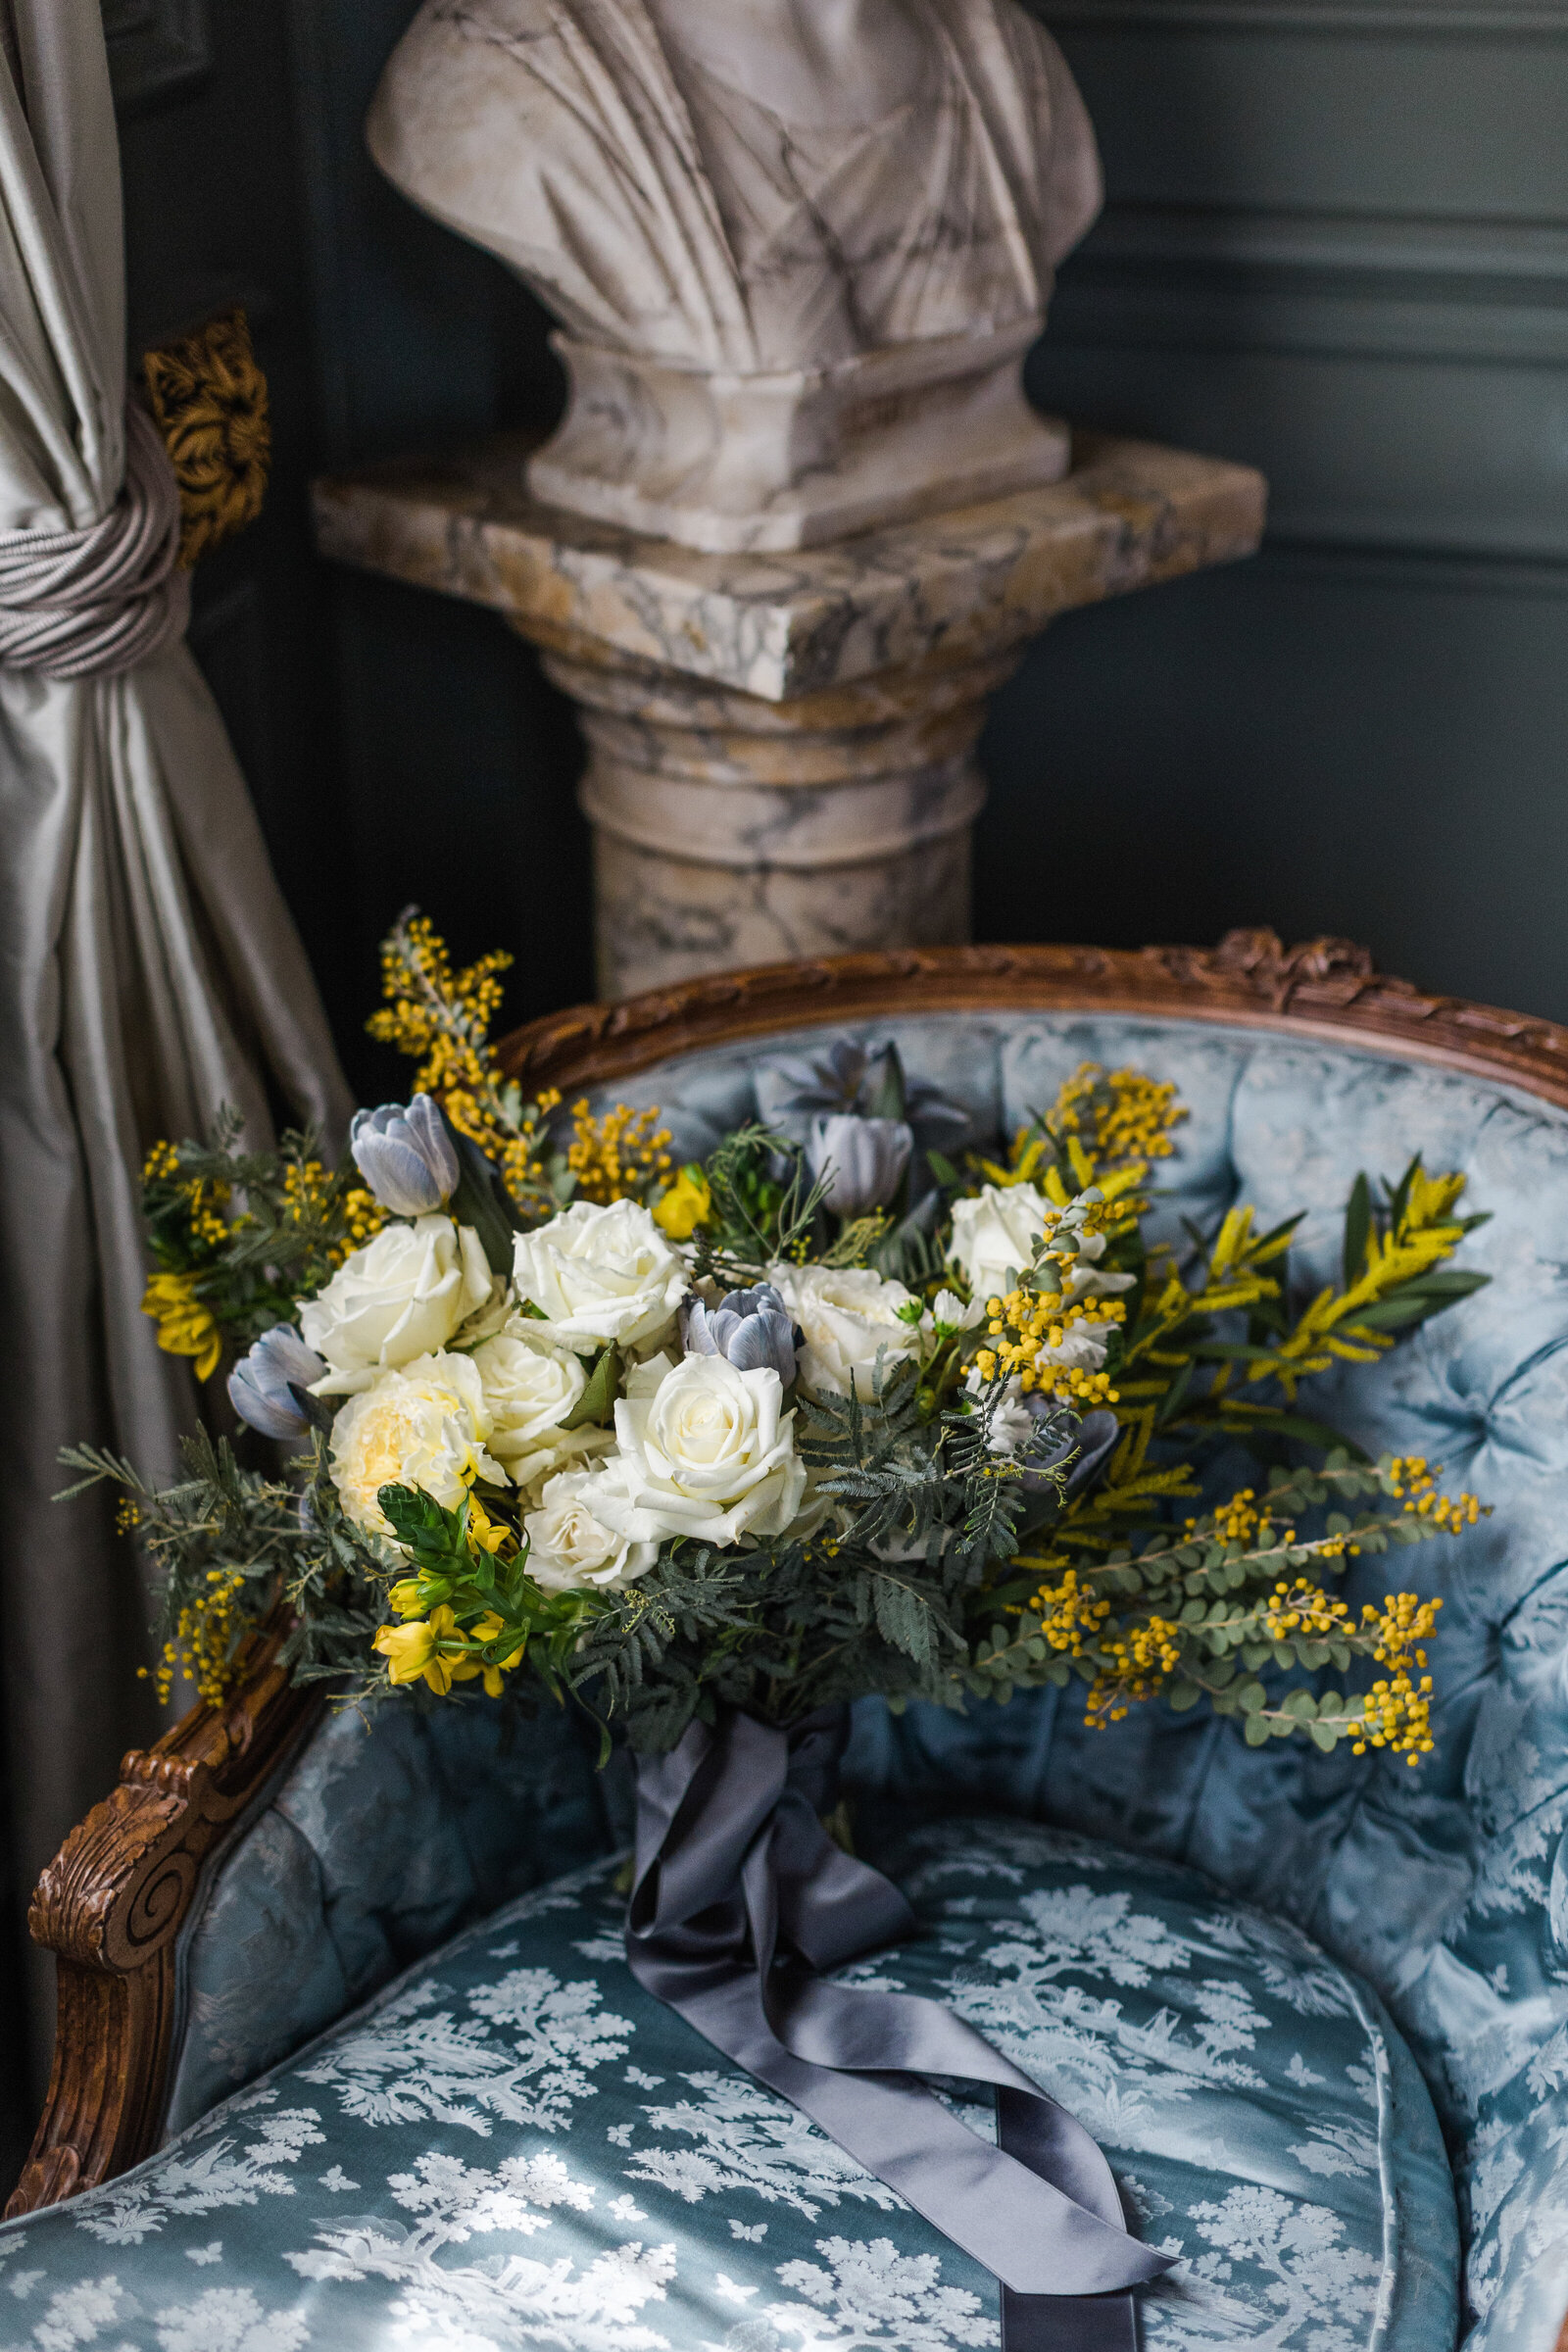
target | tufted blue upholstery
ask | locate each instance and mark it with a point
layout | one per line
(1446, 1888)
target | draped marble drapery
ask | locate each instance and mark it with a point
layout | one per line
(150, 969)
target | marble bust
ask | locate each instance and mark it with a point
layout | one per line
(798, 247)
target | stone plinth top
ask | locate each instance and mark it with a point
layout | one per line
(957, 586)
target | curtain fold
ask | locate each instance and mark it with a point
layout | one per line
(149, 970)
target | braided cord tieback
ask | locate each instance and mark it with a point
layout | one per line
(94, 602)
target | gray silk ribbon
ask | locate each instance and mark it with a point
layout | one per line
(739, 1898)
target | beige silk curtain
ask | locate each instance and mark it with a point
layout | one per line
(151, 971)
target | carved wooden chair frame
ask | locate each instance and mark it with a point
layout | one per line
(131, 1877)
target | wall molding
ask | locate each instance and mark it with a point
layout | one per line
(1488, 293)
(1435, 575)
(1268, 18)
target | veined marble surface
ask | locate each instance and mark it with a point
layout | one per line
(799, 254)
(953, 587)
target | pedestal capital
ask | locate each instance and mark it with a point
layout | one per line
(782, 746)
(957, 587)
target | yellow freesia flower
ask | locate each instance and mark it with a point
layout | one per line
(688, 1203)
(487, 1629)
(485, 1533)
(185, 1326)
(413, 1649)
(405, 1597)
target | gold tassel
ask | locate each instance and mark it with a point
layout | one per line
(208, 401)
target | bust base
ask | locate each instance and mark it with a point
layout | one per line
(736, 464)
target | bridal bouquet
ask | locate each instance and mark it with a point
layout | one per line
(845, 1409)
(857, 1405)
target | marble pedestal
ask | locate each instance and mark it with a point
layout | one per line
(781, 746)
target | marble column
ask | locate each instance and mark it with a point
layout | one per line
(781, 746)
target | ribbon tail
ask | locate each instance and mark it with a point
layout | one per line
(732, 1856)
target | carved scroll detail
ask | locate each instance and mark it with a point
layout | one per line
(111, 1906)
(1323, 986)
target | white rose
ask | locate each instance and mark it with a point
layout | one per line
(600, 1274)
(423, 1427)
(558, 1449)
(994, 1235)
(847, 1314)
(570, 1546)
(705, 1450)
(532, 1383)
(402, 1295)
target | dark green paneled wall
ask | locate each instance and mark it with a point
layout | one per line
(1337, 246)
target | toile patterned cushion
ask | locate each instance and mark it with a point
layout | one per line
(515, 2145)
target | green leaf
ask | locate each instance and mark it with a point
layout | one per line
(1357, 1230)
(1254, 1730)
(482, 1200)
(423, 1525)
(1302, 1704)
(888, 1093)
(1250, 1697)
(1181, 1695)
(903, 1618)
(1325, 1736)
(597, 1398)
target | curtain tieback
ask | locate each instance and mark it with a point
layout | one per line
(95, 602)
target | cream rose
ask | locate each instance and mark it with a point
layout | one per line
(558, 1449)
(402, 1295)
(994, 1235)
(570, 1546)
(532, 1383)
(425, 1427)
(846, 1315)
(600, 1274)
(705, 1450)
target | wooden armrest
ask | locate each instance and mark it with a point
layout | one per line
(112, 1904)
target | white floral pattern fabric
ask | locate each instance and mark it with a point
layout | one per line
(515, 2145)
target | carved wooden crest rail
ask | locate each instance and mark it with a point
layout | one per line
(1325, 987)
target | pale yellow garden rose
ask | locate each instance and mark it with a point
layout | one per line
(402, 1296)
(423, 1427)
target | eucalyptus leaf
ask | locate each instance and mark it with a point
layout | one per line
(598, 1398)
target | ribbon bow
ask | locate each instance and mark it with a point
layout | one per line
(733, 1869)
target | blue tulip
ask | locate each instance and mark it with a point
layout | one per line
(751, 1329)
(259, 1384)
(860, 1162)
(406, 1157)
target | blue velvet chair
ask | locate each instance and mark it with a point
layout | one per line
(349, 2054)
